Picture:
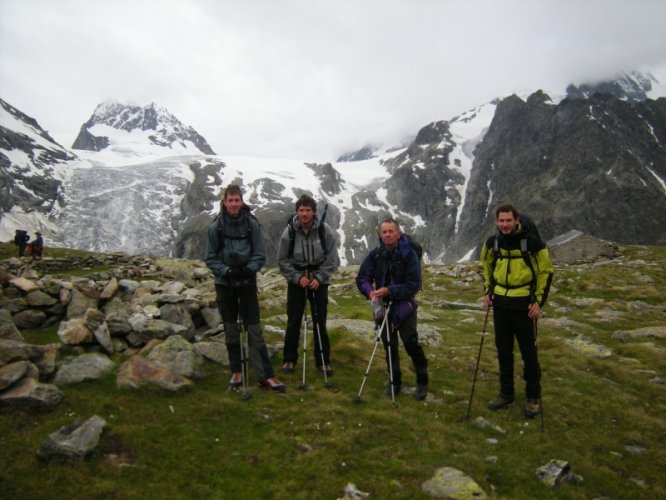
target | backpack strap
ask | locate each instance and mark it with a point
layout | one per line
(321, 230)
(222, 236)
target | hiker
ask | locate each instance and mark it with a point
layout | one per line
(392, 273)
(307, 257)
(235, 253)
(36, 247)
(517, 273)
(21, 238)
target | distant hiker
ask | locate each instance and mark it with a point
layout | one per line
(235, 253)
(392, 273)
(307, 258)
(36, 247)
(21, 238)
(517, 274)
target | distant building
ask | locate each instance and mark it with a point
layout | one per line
(575, 246)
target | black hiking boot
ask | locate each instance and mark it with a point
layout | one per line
(396, 390)
(501, 401)
(421, 391)
(532, 408)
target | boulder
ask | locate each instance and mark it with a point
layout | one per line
(75, 332)
(13, 372)
(449, 482)
(32, 394)
(139, 371)
(179, 356)
(73, 441)
(8, 329)
(89, 366)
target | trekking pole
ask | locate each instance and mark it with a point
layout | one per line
(534, 329)
(478, 359)
(378, 337)
(315, 322)
(245, 393)
(305, 337)
(389, 337)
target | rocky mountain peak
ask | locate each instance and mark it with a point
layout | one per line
(159, 127)
(632, 86)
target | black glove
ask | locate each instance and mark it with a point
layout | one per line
(234, 273)
(247, 272)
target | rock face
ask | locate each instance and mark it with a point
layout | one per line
(162, 128)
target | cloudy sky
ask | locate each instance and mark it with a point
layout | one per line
(310, 79)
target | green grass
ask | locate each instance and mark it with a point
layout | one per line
(311, 443)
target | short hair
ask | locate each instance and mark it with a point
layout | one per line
(308, 201)
(232, 189)
(506, 207)
(389, 220)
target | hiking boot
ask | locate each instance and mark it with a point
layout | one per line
(501, 401)
(236, 379)
(421, 391)
(273, 384)
(532, 408)
(288, 367)
(326, 369)
(396, 390)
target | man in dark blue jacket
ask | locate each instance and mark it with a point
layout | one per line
(392, 273)
(235, 253)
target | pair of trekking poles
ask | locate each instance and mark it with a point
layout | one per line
(310, 297)
(380, 330)
(478, 360)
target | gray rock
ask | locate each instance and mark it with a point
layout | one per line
(138, 372)
(38, 298)
(449, 482)
(179, 356)
(74, 332)
(13, 372)
(8, 329)
(103, 337)
(31, 394)
(73, 441)
(110, 290)
(30, 318)
(556, 472)
(24, 284)
(89, 366)
(79, 304)
(214, 351)
(178, 314)
(12, 350)
(586, 347)
(211, 316)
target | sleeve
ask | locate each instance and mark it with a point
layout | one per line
(487, 262)
(258, 257)
(332, 260)
(365, 277)
(544, 270)
(212, 258)
(285, 264)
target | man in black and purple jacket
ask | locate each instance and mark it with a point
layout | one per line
(392, 273)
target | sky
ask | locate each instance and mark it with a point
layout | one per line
(311, 79)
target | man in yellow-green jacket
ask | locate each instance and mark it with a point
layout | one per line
(517, 274)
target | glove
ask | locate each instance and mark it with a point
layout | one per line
(247, 272)
(234, 273)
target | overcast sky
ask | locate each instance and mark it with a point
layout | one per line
(310, 79)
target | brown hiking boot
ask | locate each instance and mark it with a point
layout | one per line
(501, 401)
(532, 408)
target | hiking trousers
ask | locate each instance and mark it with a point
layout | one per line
(296, 298)
(410, 339)
(242, 302)
(510, 323)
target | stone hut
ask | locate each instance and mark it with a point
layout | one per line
(575, 246)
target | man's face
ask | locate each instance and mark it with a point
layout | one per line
(506, 223)
(232, 204)
(305, 215)
(389, 234)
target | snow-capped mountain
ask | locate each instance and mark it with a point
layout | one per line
(32, 167)
(595, 163)
(122, 128)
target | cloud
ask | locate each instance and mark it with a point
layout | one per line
(308, 78)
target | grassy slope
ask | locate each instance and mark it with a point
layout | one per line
(310, 444)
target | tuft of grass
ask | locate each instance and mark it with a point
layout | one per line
(207, 443)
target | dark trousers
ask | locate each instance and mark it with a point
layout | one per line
(235, 301)
(296, 298)
(410, 339)
(511, 323)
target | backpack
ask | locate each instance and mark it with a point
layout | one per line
(246, 215)
(527, 227)
(416, 246)
(321, 230)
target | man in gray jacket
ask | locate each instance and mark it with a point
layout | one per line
(307, 257)
(235, 253)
